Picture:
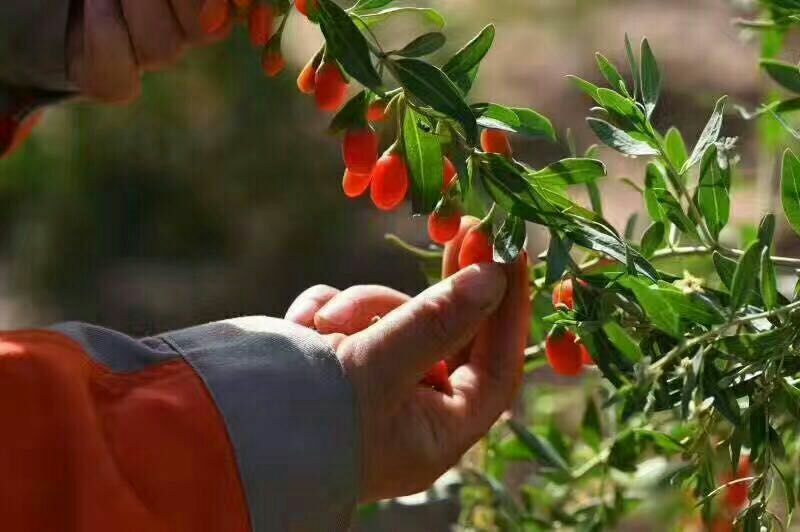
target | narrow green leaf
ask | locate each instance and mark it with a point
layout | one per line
(621, 141)
(766, 230)
(622, 341)
(352, 116)
(558, 258)
(650, 78)
(462, 67)
(655, 306)
(509, 241)
(637, 80)
(653, 238)
(709, 135)
(618, 104)
(790, 189)
(725, 268)
(661, 204)
(424, 157)
(663, 441)
(540, 447)
(587, 87)
(744, 278)
(433, 87)
(610, 72)
(366, 5)
(422, 45)
(675, 148)
(534, 124)
(600, 239)
(712, 193)
(347, 44)
(594, 197)
(769, 283)
(785, 74)
(567, 172)
(377, 17)
(515, 120)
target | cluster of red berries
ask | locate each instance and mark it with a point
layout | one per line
(565, 352)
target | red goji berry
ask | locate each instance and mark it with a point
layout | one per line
(354, 185)
(450, 175)
(564, 293)
(306, 80)
(586, 357)
(307, 7)
(736, 495)
(475, 249)
(443, 227)
(330, 87)
(564, 354)
(360, 150)
(261, 19)
(214, 15)
(389, 184)
(376, 112)
(438, 378)
(243, 4)
(272, 62)
(495, 141)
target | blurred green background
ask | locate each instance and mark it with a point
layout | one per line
(218, 192)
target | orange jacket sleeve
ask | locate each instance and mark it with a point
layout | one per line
(233, 426)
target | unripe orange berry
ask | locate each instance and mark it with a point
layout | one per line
(214, 15)
(272, 62)
(496, 141)
(475, 249)
(262, 18)
(360, 150)
(564, 354)
(449, 176)
(389, 182)
(307, 7)
(376, 111)
(330, 87)
(443, 227)
(306, 79)
(438, 378)
(354, 185)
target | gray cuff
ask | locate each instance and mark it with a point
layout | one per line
(291, 417)
(33, 43)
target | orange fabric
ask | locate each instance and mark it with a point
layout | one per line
(87, 450)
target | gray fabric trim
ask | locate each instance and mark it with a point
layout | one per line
(117, 352)
(33, 43)
(290, 414)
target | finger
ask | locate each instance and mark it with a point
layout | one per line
(356, 308)
(155, 32)
(398, 350)
(104, 67)
(486, 386)
(450, 259)
(189, 13)
(307, 304)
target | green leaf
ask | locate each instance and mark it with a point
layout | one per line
(366, 5)
(600, 239)
(352, 116)
(651, 79)
(661, 204)
(347, 44)
(617, 104)
(622, 341)
(569, 172)
(766, 230)
(509, 241)
(769, 283)
(744, 278)
(424, 156)
(422, 45)
(655, 306)
(462, 67)
(693, 308)
(621, 141)
(653, 238)
(790, 189)
(712, 193)
(675, 148)
(785, 74)
(558, 258)
(540, 447)
(587, 87)
(637, 79)
(433, 87)
(515, 120)
(377, 17)
(611, 73)
(709, 135)
(665, 442)
(725, 268)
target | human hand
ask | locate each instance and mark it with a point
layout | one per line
(411, 434)
(112, 42)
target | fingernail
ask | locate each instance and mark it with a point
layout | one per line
(337, 313)
(481, 285)
(302, 311)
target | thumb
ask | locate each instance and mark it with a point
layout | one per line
(399, 349)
